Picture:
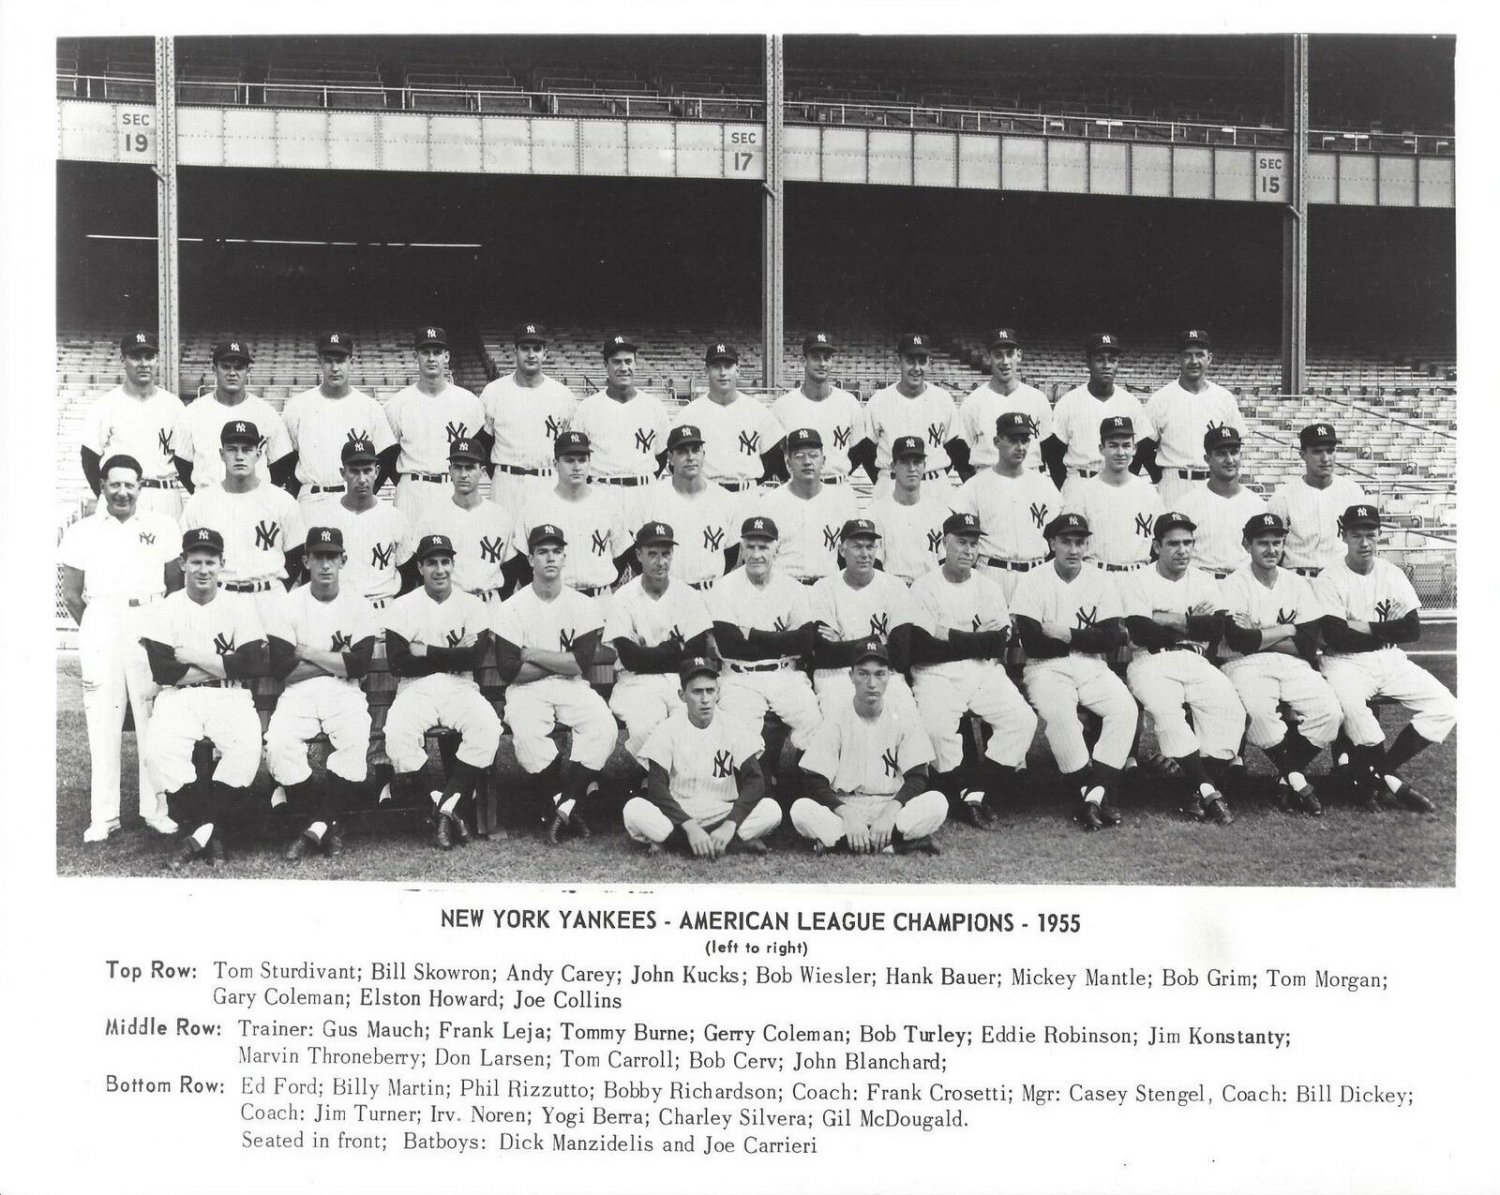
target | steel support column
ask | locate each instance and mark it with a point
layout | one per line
(166, 214)
(773, 284)
(1294, 227)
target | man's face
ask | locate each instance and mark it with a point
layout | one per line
(656, 561)
(817, 365)
(1013, 447)
(465, 474)
(531, 356)
(573, 467)
(620, 368)
(756, 554)
(723, 376)
(140, 366)
(437, 573)
(231, 376)
(1193, 363)
(1319, 460)
(1265, 549)
(200, 570)
(913, 369)
(807, 463)
(1224, 462)
(239, 457)
(1363, 543)
(333, 368)
(324, 567)
(432, 361)
(1069, 548)
(1103, 366)
(870, 680)
(1005, 364)
(687, 461)
(121, 490)
(1118, 451)
(1175, 549)
(961, 550)
(907, 471)
(547, 560)
(701, 696)
(859, 554)
(359, 477)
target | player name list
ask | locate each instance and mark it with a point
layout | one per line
(726, 1032)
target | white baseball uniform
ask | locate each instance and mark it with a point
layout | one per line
(946, 692)
(147, 429)
(1181, 419)
(701, 766)
(874, 610)
(378, 541)
(911, 537)
(1121, 519)
(624, 436)
(534, 708)
(984, 405)
(644, 700)
(1312, 520)
(597, 528)
(1165, 679)
(525, 422)
(839, 419)
(704, 522)
(122, 563)
(1382, 594)
(929, 416)
(481, 537)
(1012, 512)
(259, 527)
(425, 425)
(809, 527)
(1057, 686)
(1219, 541)
(319, 428)
(1076, 420)
(734, 435)
(203, 422)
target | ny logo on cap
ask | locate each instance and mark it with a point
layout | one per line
(327, 537)
(531, 328)
(618, 340)
(1268, 520)
(821, 338)
(888, 758)
(1117, 421)
(916, 341)
(660, 529)
(1362, 512)
(719, 348)
(140, 338)
(722, 762)
(234, 346)
(202, 535)
(1324, 430)
(432, 333)
(759, 524)
(334, 339)
(1106, 339)
(239, 427)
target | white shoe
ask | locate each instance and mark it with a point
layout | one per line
(162, 824)
(278, 796)
(385, 795)
(99, 831)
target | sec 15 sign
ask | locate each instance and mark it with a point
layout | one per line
(137, 136)
(744, 151)
(1270, 177)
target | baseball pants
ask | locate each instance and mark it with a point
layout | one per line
(1056, 688)
(446, 700)
(979, 687)
(183, 716)
(115, 672)
(1389, 672)
(1006, 578)
(643, 702)
(1071, 484)
(835, 690)
(920, 817)
(415, 497)
(1172, 489)
(320, 705)
(747, 696)
(644, 822)
(534, 708)
(1163, 683)
(1266, 679)
(317, 509)
(511, 490)
(162, 500)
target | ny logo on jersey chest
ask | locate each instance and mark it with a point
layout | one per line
(553, 427)
(723, 764)
(455, 637)
(341, 641)
(382, 555)
(147, 537)
(1039, 513)
(565, 640)
(750, 443)
(224, 644)
(356, 433)
(164, 441)
(888, 758)
(831, 538)
(455, 431)
(977, 623)
(841, 436)
(781, 623)
(1286, 617)
(713, 539)
(489, 548)
(265, 535)
(644, 439)
(935, 434)
(880, 624)
(676, 637)
(1143, 525)
(1087, 618)
(1385, 607)
(599, 542)
(935, 541)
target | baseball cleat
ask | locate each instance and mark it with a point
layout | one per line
(443, 833)
(751, 846)
(917, 846)
(651, 849)
(98, 831)
(1088, 816)
(579, 826)
(1193, 808)
(460, 829)
(185, 854)
(302, 846)
(217, 855)
(818, 848)
(1161, 765)
(1302, 799)
(972, 813)
(1108, 814)
(1218, 809)
(333, 840)
(1410, 798)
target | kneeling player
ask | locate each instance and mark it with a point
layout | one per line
(1369, 607)
(320, 651)
(704, 789)
(866, 771)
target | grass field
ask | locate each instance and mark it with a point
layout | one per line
(1034, 843)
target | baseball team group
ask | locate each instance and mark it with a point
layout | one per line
(702, 575)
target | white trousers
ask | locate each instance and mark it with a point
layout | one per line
(644, 822)
(920, 817)
(446, 700)
(1391, 673)
(319, 705)
(414, 498)
(1266, 679)
(115, 672)
(643, 702)
(1163, 683)
(533, 709)
(1056, 688)
(747, 696)
(946, 692)
(183, 716)
(511, 490)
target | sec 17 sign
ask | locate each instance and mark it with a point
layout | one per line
(137, 135)
(744, 151)
(1270, 176)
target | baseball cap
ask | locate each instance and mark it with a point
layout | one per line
(545, 533)
(1102, 342)
(1004, 338)
(1014, 423)
(683, 433)
(859, 529)
(567, 442)
(908, 446)
(231, 349)
(871, 649)
(1066, 524)
(324, 539)
(464, 449)
(202, 537)
(1172, 518)
(618, 343)
(1194, 336)
(137, 339)
(358, 451)
(913, 343)
(335, 342)
(239, 431)
(1362, 515)
(1116, 425)
(817, 340)
(803, 437)
(1317, 433)
(720, 352)
(1220, 437)
(697, 666)
(434, 545)
(654, 533)
(1265, 524)
(431, 335)
(529, 332)
(760, 527)
(962, 524)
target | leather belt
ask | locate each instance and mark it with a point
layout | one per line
(591, 590)
(324, 489)
(807, 580)
(836, 479)
(158, 483)
(1218, 574)
(379, 603)
(487, 595)
(522, 470)
(1015, 566)
(1192, 647)
(213, 684)
(246, 586)
(425, 476)
(1083, 472)
(1124, 568)
(1308, 572)
(1190, 474)
(767, 666)
(738, 485)
(701, 585)
(624, 480)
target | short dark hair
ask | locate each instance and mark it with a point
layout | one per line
(122, 460)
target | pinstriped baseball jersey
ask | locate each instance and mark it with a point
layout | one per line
(701, 763)
(734, 435)
(145, 428)
(1219, 541)
(481, 540)
(704, 523)
(1181, 419)
(419, 618)
(320, 427)
(985, 404)
(929, 416)
(1312, 520)
(1012, 511)
(1385, 592)
(526, 420)
(378, 542)
(1146, 591)
(1120, 517)
(526, 620)
(425, 425)
(780, 605)
(911, 537)
(809, 527)
(334, 625)
(1089, 598)
(224, 624)
(1289, 602)
(961, 606)
(839, 420)
(867, 756)
(202, 422)
(1076, 420)
(625, 436)
(875, 610)
(597, 529)
(677, 615)
(259, 528)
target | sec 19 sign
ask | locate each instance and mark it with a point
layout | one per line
(744, 151)
(1270, 177)
(137, 135)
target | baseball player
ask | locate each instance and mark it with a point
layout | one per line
(546, 636)
(1072, 452)
(1271, 636)
(740, 435)
(1369, 607)
(321, 648)
(914, 407)
(116, 563)
(196, 449)
(809, 511)
(1119, 507)
(435, 638)
(959, 635)
(479, 531)
(378, 539)
(836, 415)
(1002, 392)
(321, 420)
(524, 413)
(1013, 504)
(1221, 506)
(865, 774)
(704, 788)
(855, 605)
(1176, 620)
(653, 623)
(140, 420)
(702, 511)
(910, 522)
(426, 418)
(1070, 618)
(203, 645)
(1181, 413)
(627, 428)
(1310, 505)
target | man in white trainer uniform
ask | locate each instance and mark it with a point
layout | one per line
(908, 516)
(1070, 618)
(321, 420)
(524, 413)
(740, 435)
(140, 420)
(704, 788)
(1181, 412)
(865, 773)
(378, 540)
(809, 511)
(197, 445)
(479, 531)
(1176, 619)
(913, 406)
(1271, 640)
(426, 418)
(959, 637)
(1003, 392)
(626, 427)
(1072, 452)
(836, 415)
(1310, 505)
(1120, 507)
(1013, 504)
(1221, 506)
(1369, 607)
(700, 511)
(546, 636)
(117, 563)
(320, 650)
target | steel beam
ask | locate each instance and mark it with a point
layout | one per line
(1294, 227)
(773, 283)
(167, 315)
